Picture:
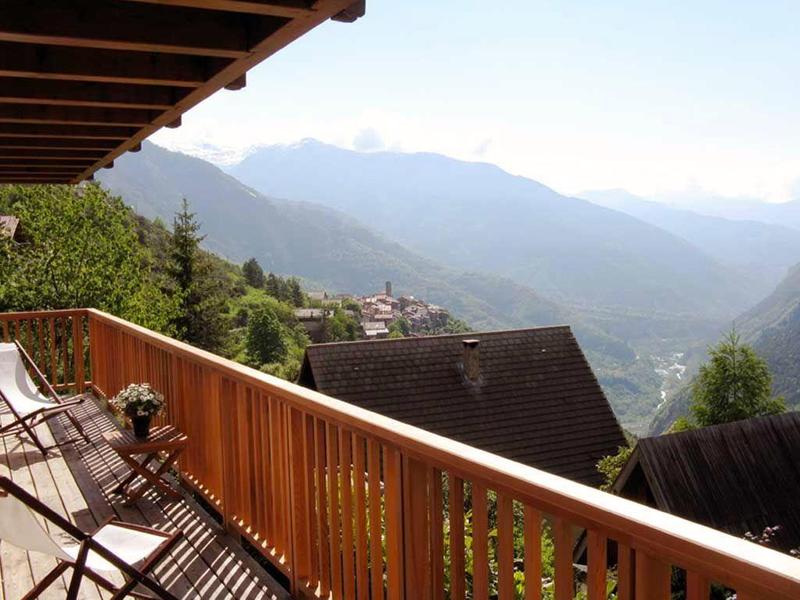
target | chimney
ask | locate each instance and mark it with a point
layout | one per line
(472, 362)
(389, 288)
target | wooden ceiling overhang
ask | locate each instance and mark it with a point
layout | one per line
(84, 81)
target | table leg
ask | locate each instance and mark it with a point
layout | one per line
(120, 489)
(154, 479)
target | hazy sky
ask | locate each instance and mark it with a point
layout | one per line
(579, 94)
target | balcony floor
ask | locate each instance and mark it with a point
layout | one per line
(76, 480)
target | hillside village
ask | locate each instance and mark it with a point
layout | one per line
(380, 315)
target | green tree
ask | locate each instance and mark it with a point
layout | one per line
(399, 328)
(275, 286)
(610, 466)
(80, 249)
(201, 320)
(295, 292)
(253, 273)
(265, 337)
(735, 384)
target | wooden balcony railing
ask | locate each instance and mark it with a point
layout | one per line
(350, 504)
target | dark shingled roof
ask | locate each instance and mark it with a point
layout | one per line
(737, 477)
(537, 401)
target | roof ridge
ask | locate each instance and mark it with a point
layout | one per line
(464, 335)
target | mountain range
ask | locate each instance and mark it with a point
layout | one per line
(761, 252)
(477, 216)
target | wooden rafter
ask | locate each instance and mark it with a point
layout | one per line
(85, 132)
(17, 90)
(39, 61)
(82, 82)
(84, 115)
(26, 154)
(140, 27)
(286, 8)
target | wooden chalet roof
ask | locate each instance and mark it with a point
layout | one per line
(737, 477)
(537, 400)
(83, 81)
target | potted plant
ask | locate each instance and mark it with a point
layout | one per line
(140, 403)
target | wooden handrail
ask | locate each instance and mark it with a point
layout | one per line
(54, 339)
(291, 433)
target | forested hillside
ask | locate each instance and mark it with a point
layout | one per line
(772, 327)
(311, 241)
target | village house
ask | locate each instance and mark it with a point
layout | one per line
(528, 395)
(738, 477)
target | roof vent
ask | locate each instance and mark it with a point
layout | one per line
(472, 360)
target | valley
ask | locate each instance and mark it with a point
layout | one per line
(497, 251)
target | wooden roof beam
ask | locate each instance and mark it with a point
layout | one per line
(47, 154)
(17, 90)
(4, 178)
(352, 13)
(58, 163)
(83, 132)
(84, 115)
(39, 61)
(135, 26)
(278, 8)
(44, 144)
(292, 30)
(38, 170)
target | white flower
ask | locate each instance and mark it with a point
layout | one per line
(138, 399)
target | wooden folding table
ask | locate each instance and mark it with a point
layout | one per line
(168, 441)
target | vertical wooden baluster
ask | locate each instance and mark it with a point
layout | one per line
(456, 510)
(564, 580)
(437, 533)
(65, 356)
(625, 571)
(77, 345)
(298, 467)
(652, 578)
(346, 461)
(53, 366)
(505, 547)
(480, 543)
(362, 565)
(598, 562)
(533, 553)
(333, 505)
(311, 469)
(41, 361)
(267, 462)
(322, 510)
(416, 529)
(698, 587)
(394, 523)
(375, 525)
(29, 346)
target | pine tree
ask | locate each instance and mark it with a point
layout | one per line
(295, 292)
(253, 273)
(201, 320)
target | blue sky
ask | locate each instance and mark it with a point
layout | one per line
(650, 96)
